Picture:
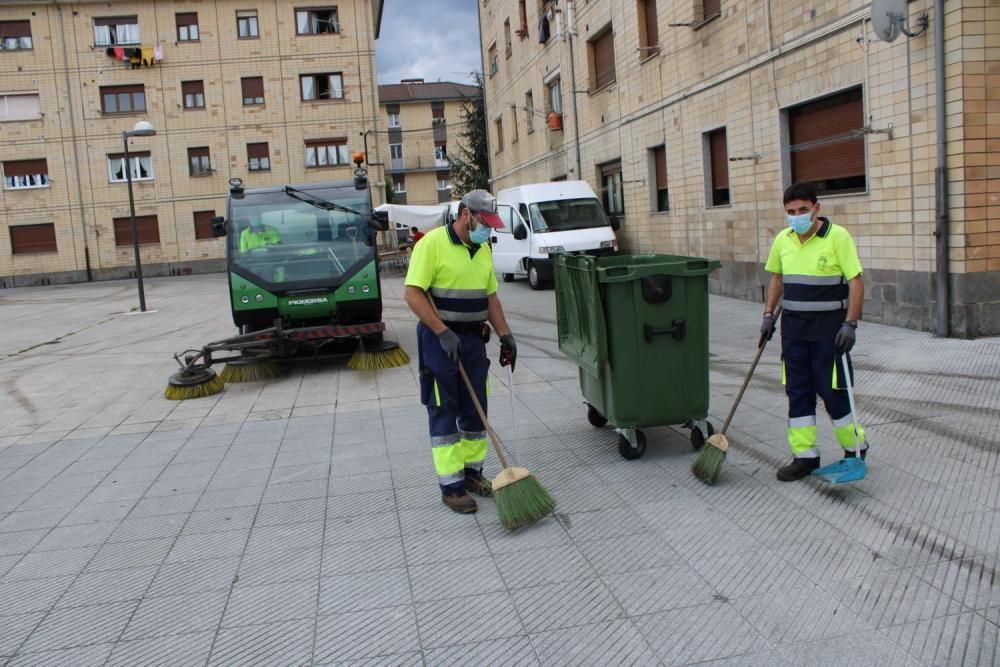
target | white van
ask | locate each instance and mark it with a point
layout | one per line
(544, 219)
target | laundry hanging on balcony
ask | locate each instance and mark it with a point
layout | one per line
(136, 57)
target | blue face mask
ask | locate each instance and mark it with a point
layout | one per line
(800, 223)
(480, 234)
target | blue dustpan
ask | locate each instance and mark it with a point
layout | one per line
(848, 470)
(843, 472)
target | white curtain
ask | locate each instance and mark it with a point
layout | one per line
(302, 22)
(308, 88)
(310, 156)
(336, 86)
(102, 35)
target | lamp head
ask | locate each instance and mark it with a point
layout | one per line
(142, 129)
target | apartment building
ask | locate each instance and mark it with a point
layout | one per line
(424, 122)
(691, 117)
(270, 92)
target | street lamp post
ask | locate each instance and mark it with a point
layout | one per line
(141, 129)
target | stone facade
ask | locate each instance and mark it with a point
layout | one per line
(75, 131)
(743, 70)
(421, 118)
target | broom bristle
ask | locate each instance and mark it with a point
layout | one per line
(250, 372)
(523, 503)
(708, 463)
(189, 392)
(363, 360)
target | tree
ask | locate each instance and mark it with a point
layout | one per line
(471, 169)
(390, 190)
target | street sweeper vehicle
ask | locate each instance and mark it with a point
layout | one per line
(303, 276)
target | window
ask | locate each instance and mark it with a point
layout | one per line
(444, 183)
(141, 167)
(316, 21)
(661, 198)
(327, 152)
(202, 225)
(718, 168)
(601, 53)
(508, 49)
(529, 111)
(147, 230)
(20, 107)
(15, 35)
(322, 86)
(187, 27)
(399, 184)
(246, 24)
(826, 145)
(437, 113)
(441, 154)
(491, 56)
(394, 120)
(522, 19)
(546, 20)
(123, 99)
(513, 125)
(710, 9)
(611, 187)
(194, 94)
(395, 156)
(649, 32)
(199, 161)
(116, 31)
(554, 89)
(258, 157)
(253, 90)
(498, 124)
(25, 174)
(29, 239)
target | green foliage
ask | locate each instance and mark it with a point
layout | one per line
(390, 189)
(471, 169)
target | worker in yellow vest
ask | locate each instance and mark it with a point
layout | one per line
(816, 274)
(453, 265)
(258, 235)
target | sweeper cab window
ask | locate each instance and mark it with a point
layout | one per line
(281, 239)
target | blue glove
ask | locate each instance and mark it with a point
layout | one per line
(451, 344)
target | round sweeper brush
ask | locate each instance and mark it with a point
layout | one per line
(196, 382)
(249, 368)
(375, 356)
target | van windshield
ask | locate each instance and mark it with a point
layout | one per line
(565, 214)
(280, 239)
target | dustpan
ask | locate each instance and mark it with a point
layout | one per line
(847, 470)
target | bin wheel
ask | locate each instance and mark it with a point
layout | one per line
(625, 447)
(507, 277)
(534, 278)
(596, 419)
(697, 439)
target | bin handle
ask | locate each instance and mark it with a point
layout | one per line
(621, 274)
(678, 331)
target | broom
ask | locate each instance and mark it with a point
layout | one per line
(709, 461)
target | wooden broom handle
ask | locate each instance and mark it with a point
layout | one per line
(746, 380)
(494, 438)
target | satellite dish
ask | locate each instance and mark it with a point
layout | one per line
(888, 18)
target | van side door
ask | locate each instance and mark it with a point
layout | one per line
(508, 251)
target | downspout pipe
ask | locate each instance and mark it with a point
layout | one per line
(941, 179)
(570, 33)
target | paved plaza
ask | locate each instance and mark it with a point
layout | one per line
(297, 521)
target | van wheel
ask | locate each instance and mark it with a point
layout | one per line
(534, 279)
(507, 277)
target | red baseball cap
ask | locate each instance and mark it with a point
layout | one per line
(485, 204)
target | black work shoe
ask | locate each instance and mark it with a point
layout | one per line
(797, 469)
(849, 453)
(479, 486)
(460, 502)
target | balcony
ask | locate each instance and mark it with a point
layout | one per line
(419, 163)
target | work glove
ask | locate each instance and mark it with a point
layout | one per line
(767, 327)
(845, 337)
(508, 351)
(451, 344)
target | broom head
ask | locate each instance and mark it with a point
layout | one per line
(190, 383)
(521, 499)
(709, 461)
(250, 369)
(373, 357)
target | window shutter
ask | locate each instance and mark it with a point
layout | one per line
(392, 108)
(823, 146)
(203, 224)
(437, 109)
(652, 30)
(15, 29)
(326, 142)
(116, 20)
(720, 159)
(187, 19)
(25, 167)
(201, 151)
(253, 86)
(146, 225)
(611, 168)
(604, 59)
(660, 157)
(711, 8)
(26, 239)
(193, 87)
(257, 151)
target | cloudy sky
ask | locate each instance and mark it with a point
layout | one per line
(429, 39)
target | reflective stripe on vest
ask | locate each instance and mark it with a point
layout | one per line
(461, 305)
(814, 293)
(814, 306)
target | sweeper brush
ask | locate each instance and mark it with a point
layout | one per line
(194, 382)
(371, 357)
(250, 369)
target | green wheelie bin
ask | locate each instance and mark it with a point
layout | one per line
(637, 327)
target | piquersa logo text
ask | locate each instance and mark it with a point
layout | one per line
(309, 301)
